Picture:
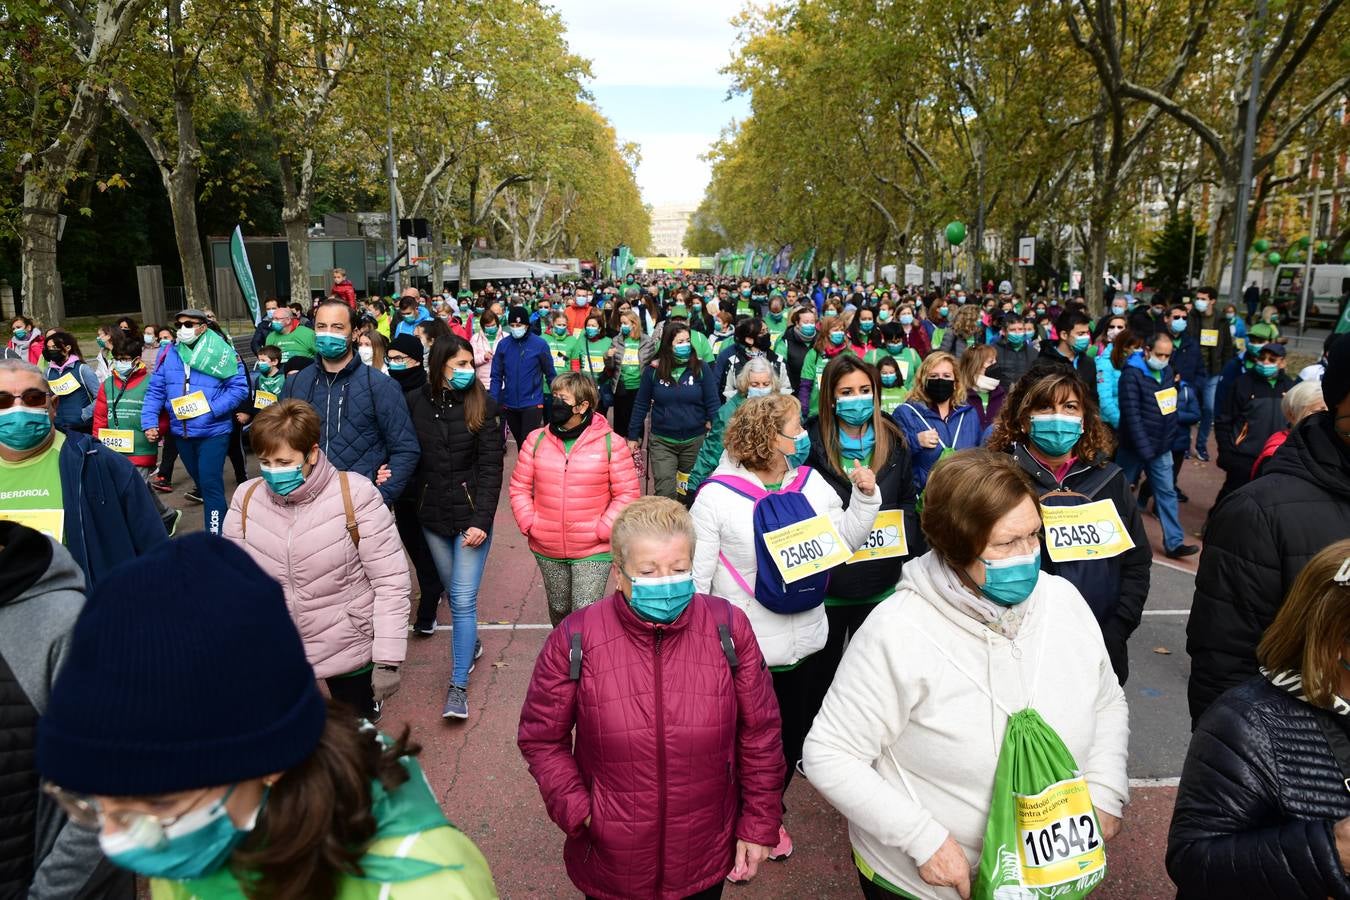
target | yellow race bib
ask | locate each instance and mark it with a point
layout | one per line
(630, 356)
(1059, 839)
(51, 522)
(597, 363)
(1209, 337)
(561, 361)
(886, 540)
(190, 406)
(263, 399)
(1167, 401)
(1090, 531)
(65, 385)
(123, 440)
(681, 483)
(805, 548)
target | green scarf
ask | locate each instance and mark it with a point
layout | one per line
(211, 355)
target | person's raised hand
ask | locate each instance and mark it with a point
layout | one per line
(863, 478)
(928, 439)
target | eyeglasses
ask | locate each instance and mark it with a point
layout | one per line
(186, 323)
(87, 812)
(33, 398)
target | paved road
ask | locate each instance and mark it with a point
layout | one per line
(485, 789)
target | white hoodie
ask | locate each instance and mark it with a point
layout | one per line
(926, 689)
(723, 522)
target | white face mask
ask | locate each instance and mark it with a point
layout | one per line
(367, 354)
(985, 383)
(187, 334)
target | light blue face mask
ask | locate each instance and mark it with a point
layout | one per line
(519, 331)
(808, 330)
(1156, 364)
(661, 598)
(855, 410)
(753, 392)
(682, 351)
(801, 448)
(1056, 434)
(461, 379)
(331, 346)
(888, 379)
(906, 319)
(22, 428)
(283, 479)
(1010, 581)
(197, 844)
(836, 338)
(856, 447)
(1267, 370)
(1082, 342)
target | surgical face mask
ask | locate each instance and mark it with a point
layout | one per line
(123, 367)
(856, 410)
(906, 319)
(592, 332)
(1178, 326)
(1230, 316)
(519, 331)
(23, 428)
(808, 329)
(582, 300)
(888, 379)
(942, 311)
(866, 326)
(397, 365)
(1082, 342)
(1254, 350)
(1118, 309)
(461, 379)
(1113, 331)
(187, 335)
(1056, 434)
(1010, 581)
(625, 330)
(331, 346)
(197, 844)
(278, 326)
(164, 342)
(661, 598)
(410, 318)
(149, 340)
(1016, 339)
(836, 338)
(263, 366)
(682, 351)
(1156, 364)
(559, 330)
(1267, 370)
(21, 334)
(985, 383)
(753, 392)
(491, 330)
(367, 354)
(1201, 305)
(283, 479)
(801, 448)
(895, 349)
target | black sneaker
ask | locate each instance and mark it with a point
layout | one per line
(1181, 551)
(1202, 453)
(426, 629)
(192, 496)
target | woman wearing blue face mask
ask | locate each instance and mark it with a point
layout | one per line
(909, 738)
(680, 391)
(831, 340)
(592, 355)
(665, 777)
(797, 342)
(1052, 429)
(458, 482)
(854, 430)
(280, 795)
(763, 486)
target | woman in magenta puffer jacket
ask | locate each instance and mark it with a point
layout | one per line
(573, 478)
(673, 781)
(330, 541)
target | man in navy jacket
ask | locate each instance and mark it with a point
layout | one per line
(520, 367)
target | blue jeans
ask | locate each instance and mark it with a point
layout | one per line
(1206, 387)
(204, 458)
(1159, 471)
(461, 569)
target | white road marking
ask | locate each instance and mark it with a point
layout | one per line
(1154, 782)
(1174, 566)
(1154, 612)
(523, 626)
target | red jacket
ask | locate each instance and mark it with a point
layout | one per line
(1273, 443)
(345, 290)
(137, 375)
(677, 755)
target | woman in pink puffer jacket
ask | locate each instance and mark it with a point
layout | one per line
(573, 478)
(328, 539)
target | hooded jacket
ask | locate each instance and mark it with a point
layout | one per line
(75, 410)
(1257, 541)
(1252, 411)
(365, 421)
(172, 379)
(1144, 429)
(349, 603)
(41, 594)
(676, 754)
(1013, 362)
(959, 431)
(520, 367)
(459, 474)
(1084, 364)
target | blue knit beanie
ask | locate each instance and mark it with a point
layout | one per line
(184, 672)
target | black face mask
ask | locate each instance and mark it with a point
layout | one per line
(53, 355)
(558, 415)
(939, 390)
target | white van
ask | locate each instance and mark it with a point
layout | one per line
(1330, 284)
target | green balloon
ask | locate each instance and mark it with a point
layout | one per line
(1303, 242)
(1260, 245)
(1274, 258)
(1323, 246)
(956, 233)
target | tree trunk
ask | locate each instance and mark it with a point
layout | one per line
(465, 245)
(876, 261)
(1093, 265)
(1220, 233)
(296, 222)
(181, 185)
(38, 247)
(437, 264)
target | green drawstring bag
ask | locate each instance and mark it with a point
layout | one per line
(1043, 839)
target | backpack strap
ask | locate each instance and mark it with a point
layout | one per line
(543, 432)
(243, 510)
(574, 657)
(743, 486)
(724, 635)
(348, 509)
(803, 473)
(735, 576)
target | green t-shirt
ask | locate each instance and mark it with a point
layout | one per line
(560, 348)
(630, 366)
(589, 355)
(299, 342)
(30, 491)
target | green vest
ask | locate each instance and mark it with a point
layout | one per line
(124, 412)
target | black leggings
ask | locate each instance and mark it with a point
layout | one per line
(800, 692)
(356, 691)
(624, 400)
(235, 453)
(521, 422)
(169, 457)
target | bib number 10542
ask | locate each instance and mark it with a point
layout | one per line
(1061, 840)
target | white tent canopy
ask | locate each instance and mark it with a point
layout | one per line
(913, 274)
(504, 270)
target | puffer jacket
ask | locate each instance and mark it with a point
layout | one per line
(566, 503)
(1013, 362)
(1260, 793)
(1144, 430)
(520, 368)
(677, 754)
(1252, 410)
(365, 421)
(483, 351)
(172, 379)
(1108, 387)
(459, 474)
(1188, 358)
(349, 603)
(724, 523)
(1257, 541)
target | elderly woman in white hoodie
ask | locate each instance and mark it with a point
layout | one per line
(766, 447)
(907, 741)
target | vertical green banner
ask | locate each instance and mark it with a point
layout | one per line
(243, 273)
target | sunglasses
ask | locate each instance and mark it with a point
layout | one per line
(185, 323)
(33, 398)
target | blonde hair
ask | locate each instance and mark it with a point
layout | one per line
(931, 362)
(580, 386)
(1301, 400)
(1311, 628)
(971, 365)
(753, 428)
(634, 323)
(654, 517)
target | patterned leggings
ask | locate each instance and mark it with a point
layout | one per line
(570, 586)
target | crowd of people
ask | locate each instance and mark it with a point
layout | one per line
(843, 532)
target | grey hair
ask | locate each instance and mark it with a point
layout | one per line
(757, 365)
(1299, 401)
(23, 365)
(655, 517)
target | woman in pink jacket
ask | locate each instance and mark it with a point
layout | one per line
(573, 478)
(651, 727)
(329, 540)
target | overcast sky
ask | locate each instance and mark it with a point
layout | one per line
(655, 67)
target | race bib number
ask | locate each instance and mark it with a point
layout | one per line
(1090, 531)
(904, 369)
(51, 522)
(886, 540)
(1240, 344)
(597, 362)
(805, 548)
(1167, 401)
(561, 361)
(630, 356)
(682, 483)
(65, 385)
(263, 399)
(190, 406)
(1209, 337)
(1059, 839)
(120, 439)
